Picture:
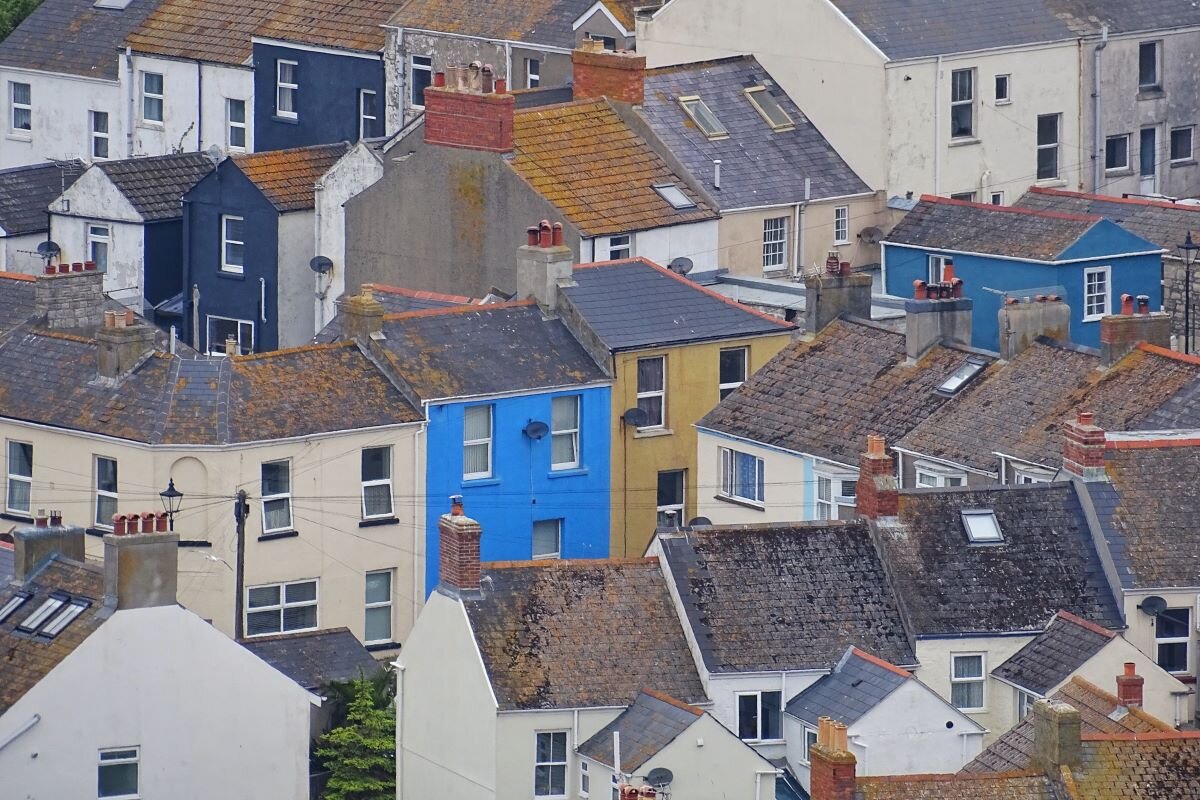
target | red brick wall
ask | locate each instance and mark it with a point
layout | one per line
(877, 494)
(617, 76)
(459, 557)
(1083, 447)
(832, 775)
(469, 119)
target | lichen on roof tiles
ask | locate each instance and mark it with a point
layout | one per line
(288, 178)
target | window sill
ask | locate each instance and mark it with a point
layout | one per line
(150, 125)
(650, 433)
(776, 272)
(11, 517)
(1051, 183)
(470, 483)
(270, 537)
(573, 472)
(842, 243)
(1118, 172)
(374, 647)
(757, 742)
(231, 276)
(1183, 162)
(738, 501)
(1002, 103)
(376, 522)
(1094, 318)
(19, 137)
(1150, 93)
(285, 120)
(965, 141)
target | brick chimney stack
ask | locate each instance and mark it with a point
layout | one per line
(1120, 333)
(618, 75)
(833, 766)
(1083, 448)
(33, 545)
(1130, 686)
(472, 111)
(544, 263)
(71, 296)
(459, 537)
(1056, 732)
(141, 562)
(877, 494)
(362, 314)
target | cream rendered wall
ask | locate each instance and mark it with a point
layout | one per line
(516, 742)
(832, 72)
(295, 291)
(723, 690)
(326, 510)
(1003, 154)
(61, 123)
(741, 241)
(210, 718)
(1140, 632)
(446, 741)
(785, 489)
(697, 241)
(356, 170)
(1164, 695)
(817, 222)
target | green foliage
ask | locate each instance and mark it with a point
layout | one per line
(361, 754)
(12, 12)
(339, 694)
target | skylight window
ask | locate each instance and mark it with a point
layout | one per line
(982, 526)
(56, 626)
(961, 376)
(674, 195)
(704, 118)
(34, 621)
(767, 105)
(14, 602)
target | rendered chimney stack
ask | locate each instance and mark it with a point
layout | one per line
(70, 299)
(1056, 736)
(121, 345)
(468, 107)
(618, 75)
(459, 538)
(362, 314)
(1022, 321)
(1120, 333)
(33, 545)
(834, 292)
(833, 767)
(1083, 448)
(544, 265)
(937, 314)
(877, 494)
(141, 562)
(1130, 686)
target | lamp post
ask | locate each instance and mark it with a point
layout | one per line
(171, 500)
(1187, 252)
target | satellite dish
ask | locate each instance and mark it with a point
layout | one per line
(660, 777)
(870, 235)
(1153, 605)
(320, 265)
(635, 417)
(48, 249)
(681, 266)
(215, 154)
(699, 521)
(536, 429)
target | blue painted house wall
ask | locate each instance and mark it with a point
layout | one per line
(1105, 244)
(522, 489)
(162, 246)
(327, 101)
(224, 191)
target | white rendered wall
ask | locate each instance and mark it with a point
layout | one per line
(357, 170)
(61, 122)
(294, 289)
(187, 125)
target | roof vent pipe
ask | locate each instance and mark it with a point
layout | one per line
(716, 173)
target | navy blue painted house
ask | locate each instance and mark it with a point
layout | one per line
(999, 250)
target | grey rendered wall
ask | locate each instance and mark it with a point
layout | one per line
(296, 293)
(444, 50)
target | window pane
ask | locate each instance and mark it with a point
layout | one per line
(748, 716)
(1116, 152)
(546, 538)
(99, 122)
(376, 463)
(653, 408)
(1148, 64)
(670, 488)
(960, 85)
(1047, 129)
(379, 587)
(152, 83)
(960, 120)
(650, 375)
(1181, 144)
(377, 500)
(300, 592)
(378, 626)
(1147, 156)
(20, 459)
(564, 413)
(117, 780)
(477, 423)
(237, 111)
(733, 365)
(277, 515)
(295, 619)
(263, 596)
(475, 459)
(260, 622)
(967, 695)
(19, 496)
(106, 475)
(287, 72)
(275, 478)
(562, 449)
(420, 77)
(772, 715)
(968, 666)
(1173, 623)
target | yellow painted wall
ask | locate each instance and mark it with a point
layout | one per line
(692, 391)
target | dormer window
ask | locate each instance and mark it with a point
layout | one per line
(767, 105)
(674, 195)
(961, 376)
(982, 526)
(704, 118)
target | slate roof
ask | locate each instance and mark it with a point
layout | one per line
(1099, 712)
(396, 300)
(635, 303)
(482, 350)
(26, 193)
(1162, 222)
(1046, 562)
(1020, 409)
(759, 166)
(73, 37)
(316, 659)
(825, 395)
(342, 24)
(288, 178)
(646, 727)
(785, 597)
(28, 659)
(857, 684)
(1003, 786)
(1148, 512)
(560, 634)
(1146, 766)
(932, 27)
(942, 224)
(534, 21)
(216, 31)
(1065, 646)
(155, 185)
(591, 165)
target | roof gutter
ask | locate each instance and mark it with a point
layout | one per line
(129, 109)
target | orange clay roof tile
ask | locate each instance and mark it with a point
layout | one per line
(287, 177)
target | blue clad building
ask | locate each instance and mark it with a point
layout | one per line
(999, 250)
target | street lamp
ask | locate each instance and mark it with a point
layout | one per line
(1187, 252)
(171, 500)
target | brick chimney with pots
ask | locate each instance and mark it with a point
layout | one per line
(937, 314)
(877, 494)
(474, 111)
(362, 314)
(70, 296)
(1083, 448)
(1056, 732)
(544, 264)
(33, 545)
(834, 292)
(832, 765)
(1120, 333)
(141, 562)
(1023, 320)
(1130, 686)
(121, 345)
(458, 563)
(618, 75)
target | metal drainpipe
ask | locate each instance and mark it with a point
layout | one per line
(130, 115)
(199, 106)
(1097, 133)
(937, 127)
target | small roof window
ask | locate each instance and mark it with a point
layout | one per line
(704, 118)
(982, 526)
(673, 195)
(961, 376)
(56, 626)
(14, 603)
(767, 105)
(34, 621)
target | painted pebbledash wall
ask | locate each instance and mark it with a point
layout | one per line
(61, 122)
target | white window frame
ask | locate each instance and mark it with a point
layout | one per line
(1024, 703)
(135, 759)
(941, 476)
(841, 225)
(14, 107)
(775, 244)
(233, 269)
(94, 238)
(997, 198)
(218, 348)
(1028, 477)
(533, 73)
(765, 103)
(808, 739)
(98, 136)
(725, 388)
(282, 606)
(981, 680)
(966, 197)
(486, 441)
(282, 86)
(565, 763)
(1186, 640)
(1006, 99)
(571, 433)
(676, 507)
(18, 478)
(114, 496)
(363, 116)
(387, 481)
(414, 67)
(585, 779)
(1128, 150)
(374, 605)
(649, 394)
(968, 101)
(728, 473)
(232, 125)
(557, 552)
(936, 268)
(149, 96)
(836, 501)
(738, 714)
(1087, 295)
(277, 497)
(711, 127)
(620, 244)
(1191, 154)
(1158, 65)
(1056, 146)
